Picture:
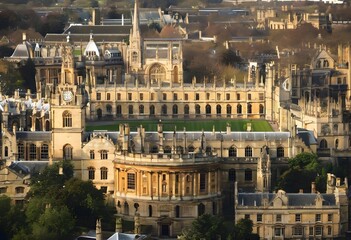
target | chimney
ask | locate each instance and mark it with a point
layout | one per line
(313, 187)
(24, 37)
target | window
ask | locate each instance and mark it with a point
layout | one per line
(3, 190)
(261, 109)
(32, 152)
(108, 96)
(247, 216)
(297, 231)
(248, 151)
(311, 231)
(130, 109)
(175, 96)
(280, 152)
(259, 217)
(118, 96)
(164, 110)
(20, 148)
(103, 189)
(323, 144)
(91, 173)
(249, 108)
(141, 109)
(6, 151)
(297, 217)
(152, 97)
(229, 110)
(227, 96)
(141, 96)
(197, 109)
(134, 57)
(92, 154)
(319, 231)
(44, 151)
(131, 181)
(98, 96)
(108, 108)
(330, 217)
(103, 173)
(278, 232)
(152, 110)
(186, 110)
(260, 96)
(175, 110)
(329, 230)
(186, 97)
(201, 209)
(207, 96)
(164, 96)
(232, 151)
(218, 96)
(67, 119)
(248, 175)
(130, 96)
(231, 175)
(218, 110)
(278, 218)
(239, 109)
(67, 152)
(19, 190)
(103, 154)
(197, 96)
(249, 96)
(202, 182)
(238, 96)
(177, 211)
(318, 217)
(208, 110)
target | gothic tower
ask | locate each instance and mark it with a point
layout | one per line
(264, 171)
(135, 46)
(67, 110)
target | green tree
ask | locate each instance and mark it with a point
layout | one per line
(10, 78)
(11, 218)
(243, 229)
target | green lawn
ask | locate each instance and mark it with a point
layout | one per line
(189, 124)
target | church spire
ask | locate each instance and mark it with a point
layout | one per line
(136, 19)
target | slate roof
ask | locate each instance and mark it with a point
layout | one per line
(98, 29)
(27, 167)
(294, 199)
(307, 137)
(33, 136)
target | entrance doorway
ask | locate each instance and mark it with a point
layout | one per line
(165, 230)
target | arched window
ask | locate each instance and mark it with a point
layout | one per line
(152, 110)
(261, 109)
(323, 144)
(186, 110)
(218, 110)
(232, 151)
(130, 109)
(239, 109)
(126, 208)
(141, 109)
(67, 152)
(99, 113)
(103, 173)
(197, 109)
(280, 152)
(67, 119)
(191, 149)
(157, 73)
(92, 154)
(134, 57)
(154, 149)
(150, 211)
(208, 110)
(200, 209)
(32, 151)
(229, 110)
(119, 110)
(6, 151)
(167, 149)
(47, 125)
(108, 109)
(249, 108)
(248, 174)
(208, 150)
(248, 151)
(91, 173)
(37, 124)
(164, 110)
(335, 128)
(175, 110)
(44, 151)
(336, 143)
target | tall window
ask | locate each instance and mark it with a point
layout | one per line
(98, 96)
(280, 152)
(108, 96)
(131, 181)
(248, 151)
(208, 110)
(248, 175)
(20, 148)
(44, 151)
(157, 73)
(175, 110)
(186, 110)
(103, 154)
(297, 231)
(130, 109)
(229, 110)
(152, 110)
(103, 173)
(134, 57)
(6, 151)
(249, 108)
(92, 154)
(67, 152)
(197, 109)
(67, 119)
(141, 109)
(218, 110)
(32, 152)
(202, 182)
(91, 173)
(297, 217)
(232, 151)
(164, 110)
(239, 109)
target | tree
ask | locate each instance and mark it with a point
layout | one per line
(10, 78)
(304, 168)
(229, 57)
(205, 227)
(243, 229)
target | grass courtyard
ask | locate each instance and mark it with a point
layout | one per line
(190, 125)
